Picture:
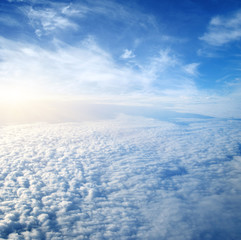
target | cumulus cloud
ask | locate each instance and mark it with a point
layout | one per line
(223, 30)
(126, 178)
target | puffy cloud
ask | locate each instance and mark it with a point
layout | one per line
(222, 30)
(129, 177)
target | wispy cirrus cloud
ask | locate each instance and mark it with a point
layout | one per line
(48, 20)
(76, 70)
(118, 12)
(223, 30)
(50, 16)
(87, 71)
(85, 68)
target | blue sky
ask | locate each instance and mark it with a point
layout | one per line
(178, 55)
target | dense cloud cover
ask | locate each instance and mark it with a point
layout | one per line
(127, 178)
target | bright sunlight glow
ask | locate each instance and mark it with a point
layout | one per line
(15, 95)
(22, 105)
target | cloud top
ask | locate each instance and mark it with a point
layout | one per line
(126, 178)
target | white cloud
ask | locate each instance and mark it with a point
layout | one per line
(223, 30)
(127, 54)
(86, 71)
(191, 68)
(164, 61)
(69, 70)
(45, 21)
(72, 10)
(53, 16)
(126, 178)
(166, 72)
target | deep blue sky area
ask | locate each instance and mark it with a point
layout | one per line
(166, 50)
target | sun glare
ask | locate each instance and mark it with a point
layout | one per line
(22, 105)
(16, 95)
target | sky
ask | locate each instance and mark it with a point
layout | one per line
(181, 56)
(120, 119)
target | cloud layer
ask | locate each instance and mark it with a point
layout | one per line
(127, 178)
